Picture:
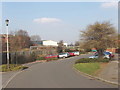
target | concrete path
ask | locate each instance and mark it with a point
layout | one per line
(55, 74)
(110, 72)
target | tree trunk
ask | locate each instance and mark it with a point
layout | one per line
(100, 53)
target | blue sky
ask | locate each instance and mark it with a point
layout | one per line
(57, 20)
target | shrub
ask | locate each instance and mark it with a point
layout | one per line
(13, 67)
(33, 56)
(41, 58)
(68, 50)
(21, 59)
(82, 52)
(52, 59)
(89, 60)
(103, 60)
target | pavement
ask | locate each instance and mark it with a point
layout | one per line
(7, 76)
(110, 72)
(54, 74)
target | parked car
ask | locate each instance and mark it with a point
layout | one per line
(71, 53)
(106, 55)
(109, 53)
(76, 53)
(63, 55)
(51, 56)
(94, 56)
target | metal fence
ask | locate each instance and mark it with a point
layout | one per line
(22, 57)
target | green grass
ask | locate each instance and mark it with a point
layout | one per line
(13, 67)
(89, 68)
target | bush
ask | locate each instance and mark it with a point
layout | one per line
(89, 60)
(103, 60)
(82, 52)
(33, 57)
(52, 59)
(13, 67)
(21, 59)
(68, 50)
(41, 58)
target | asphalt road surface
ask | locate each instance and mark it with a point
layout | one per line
(55, 74)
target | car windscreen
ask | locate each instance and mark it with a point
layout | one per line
(61, 53)
(107, 53)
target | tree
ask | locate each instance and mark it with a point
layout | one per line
(71, 44)
(3, 43)
(77, 43)
(35, 38)
(99, 36)
(118, 42)
(19, 40)
(60, 46)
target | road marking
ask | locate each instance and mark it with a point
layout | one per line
(7, 82)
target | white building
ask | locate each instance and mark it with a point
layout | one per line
(49, 43)
(65, 44)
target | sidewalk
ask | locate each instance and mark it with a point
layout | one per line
(6, 76)
(110, 72)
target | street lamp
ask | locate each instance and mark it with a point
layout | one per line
(7, 22)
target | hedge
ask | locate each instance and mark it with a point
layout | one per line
(89, 60)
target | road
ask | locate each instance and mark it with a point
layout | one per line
(55, 74)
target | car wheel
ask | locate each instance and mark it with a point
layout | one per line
(64, 57)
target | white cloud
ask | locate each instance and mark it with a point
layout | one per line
(110, 5)
(47, 20)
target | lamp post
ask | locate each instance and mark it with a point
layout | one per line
(7, 22)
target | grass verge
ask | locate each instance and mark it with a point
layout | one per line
(89, 68)
(13, 67)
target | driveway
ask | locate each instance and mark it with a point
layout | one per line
(55, 74)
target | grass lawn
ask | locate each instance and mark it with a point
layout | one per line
(89, 68)
(13, 67)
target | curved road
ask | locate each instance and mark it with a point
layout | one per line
(55, 74)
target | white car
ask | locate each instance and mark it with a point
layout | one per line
(63, 55)
(96, 56)
(76, 53)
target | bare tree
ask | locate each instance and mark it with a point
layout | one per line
(35, 38)
(77, 43)
(20, 40)
(60, 46)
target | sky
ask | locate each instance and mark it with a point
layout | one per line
(57, 20)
